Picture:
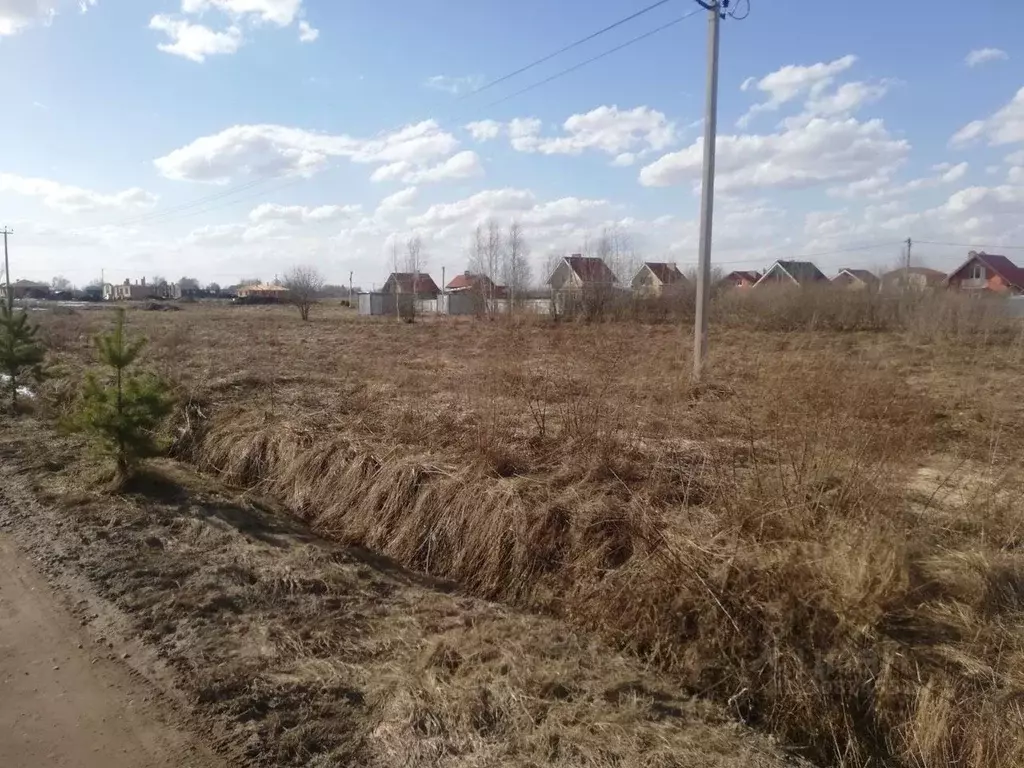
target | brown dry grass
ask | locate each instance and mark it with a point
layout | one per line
(780, 539)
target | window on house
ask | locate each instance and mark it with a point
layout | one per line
(977, 272)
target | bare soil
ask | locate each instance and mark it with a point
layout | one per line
(217, 612)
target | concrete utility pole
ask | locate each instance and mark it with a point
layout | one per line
(7, 269)
(906, 265)
(350, 289)
(707, 197)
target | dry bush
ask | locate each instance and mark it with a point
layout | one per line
(931, 315)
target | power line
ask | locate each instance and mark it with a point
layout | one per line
(591, 60)
(975, 245)
(565, 49)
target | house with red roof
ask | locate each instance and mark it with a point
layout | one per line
(740, 278)
(657, 278)
(988, 273)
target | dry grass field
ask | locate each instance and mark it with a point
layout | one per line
(825, 536)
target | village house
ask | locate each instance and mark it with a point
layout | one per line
(912, 278)
(25, 289)
(581, 283)
(261, 293)
(742, 279)
(422, 285)
(856, 279)
(988, 273)
(656, 278)
(480, 285)
(140, 291)
(785, 272)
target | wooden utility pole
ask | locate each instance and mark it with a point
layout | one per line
(707, 198)
(7, 269)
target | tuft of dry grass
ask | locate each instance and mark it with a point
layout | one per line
(782, 539)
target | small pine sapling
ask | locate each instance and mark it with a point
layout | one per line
(123, 411)
(21, 353)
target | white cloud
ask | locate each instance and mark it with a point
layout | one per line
(299, 214)
(1006, 126)
(194, 41)
(454, 85)
(984, 55)
(792, 82)
(70, 199)
(605, 129)
(401, 199)
(1016, 158)
(624, 160)
(484, 130)
(881, 186)
(277, 150)
(464, 165)
(279, 12)
(823, 150)
(18, 15)
(307, 33)
(847, 98)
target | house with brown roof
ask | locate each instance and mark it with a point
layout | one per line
(788, 272)
(657, 278)
(856, 279)
(912, 278)
(261, 293)
(582, 283)
(742, 279)
(988, 273)
(422, 285)
(480, 285)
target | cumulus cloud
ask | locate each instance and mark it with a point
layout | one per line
(300, 214)
(792, 82)
(464, 165)
(276, 150)
(400, 199)
(484, 130)
(822, 150)
(307, 33)
(71, 199)
(194, 41)
(881, 185)
(1004, 127)
(279, 12)
(605, 129)
(985, 55)
(18, 15)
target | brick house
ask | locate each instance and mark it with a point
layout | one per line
(987, 273)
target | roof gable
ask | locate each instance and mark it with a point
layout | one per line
(1000, 265)
(798, 272)
(424, 282)
(665, 273)
(590, 269)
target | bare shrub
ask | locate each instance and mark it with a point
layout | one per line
(304, 286)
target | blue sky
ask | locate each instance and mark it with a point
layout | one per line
(235, 138)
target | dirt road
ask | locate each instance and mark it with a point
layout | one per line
(62, 701)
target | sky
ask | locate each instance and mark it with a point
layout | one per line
(234, 139)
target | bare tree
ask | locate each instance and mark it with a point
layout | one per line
(415, 263)
(516, 263)
(304, 285)
(494, 248)
(61, 284)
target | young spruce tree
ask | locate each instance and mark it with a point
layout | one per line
(21, 354)
(123, 412)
